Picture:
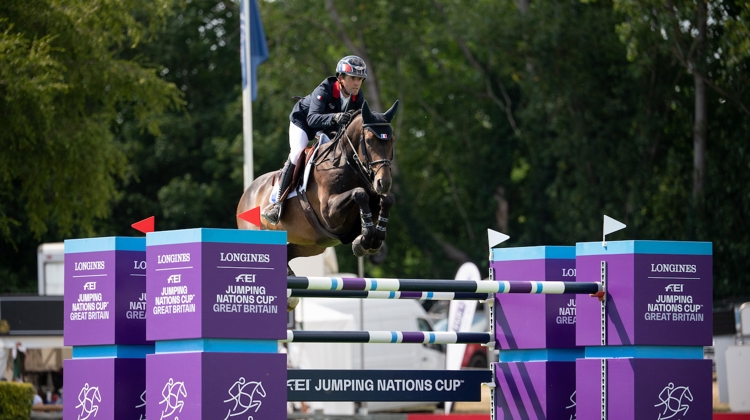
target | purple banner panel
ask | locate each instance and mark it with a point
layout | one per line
(106, 388)
(194, 386)
(589, 390)
(645, 389)
(652, 299)
(173, 287)
(105, 298)
(535, 390)
(245, 295)
(216, 290)
(534, 321)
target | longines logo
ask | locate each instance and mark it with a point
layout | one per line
(173, 258)
(243, 257)
(673, 268)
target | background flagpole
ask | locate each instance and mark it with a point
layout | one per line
(247, 92)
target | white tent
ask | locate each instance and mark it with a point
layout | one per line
(311, 316)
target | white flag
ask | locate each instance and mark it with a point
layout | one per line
(612, 225)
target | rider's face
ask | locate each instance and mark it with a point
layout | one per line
(351, 84)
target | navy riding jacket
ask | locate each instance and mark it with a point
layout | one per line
(315, 111)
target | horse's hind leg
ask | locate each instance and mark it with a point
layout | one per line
(293, 251)
(291, 301)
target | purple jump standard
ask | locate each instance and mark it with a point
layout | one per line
(658, 318)
(535, 378)
(216, 310)
(105, 322)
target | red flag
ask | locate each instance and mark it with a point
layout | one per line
(146, 225)
(252, 216)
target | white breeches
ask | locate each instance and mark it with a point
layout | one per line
(297, 142)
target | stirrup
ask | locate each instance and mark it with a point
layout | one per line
(272, 213)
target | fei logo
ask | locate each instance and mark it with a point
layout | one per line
(245, 278)
(245, 399)
(674, 399)
(674, 288)
(87, 399)
(174, 278)
(172, 392)
(89, 285)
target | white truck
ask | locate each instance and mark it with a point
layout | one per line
(51, 268)
(368, 315)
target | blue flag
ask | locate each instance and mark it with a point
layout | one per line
(258, 46)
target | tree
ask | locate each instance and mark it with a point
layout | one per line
(63, 82)
(709, 40)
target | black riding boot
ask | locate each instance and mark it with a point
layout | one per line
(272, 213)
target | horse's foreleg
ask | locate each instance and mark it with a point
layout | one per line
(363, 242)
(334, 215)
(386, 202)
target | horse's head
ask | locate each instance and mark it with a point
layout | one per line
(260, 390)
(376, 145)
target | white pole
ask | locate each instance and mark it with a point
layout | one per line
(247, 99)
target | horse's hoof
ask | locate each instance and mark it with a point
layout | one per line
(291, 303)
(372, 251)
(358, 249)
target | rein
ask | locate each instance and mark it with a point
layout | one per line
(367, 169)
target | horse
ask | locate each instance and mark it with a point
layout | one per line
(349, 181)
(244, 399)
(672, 398)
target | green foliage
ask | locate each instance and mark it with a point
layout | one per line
(64, 80)
(15, 400)
(62, 83)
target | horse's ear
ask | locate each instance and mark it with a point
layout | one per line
(391, 112)
(366, 113)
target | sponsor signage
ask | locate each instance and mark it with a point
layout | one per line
(105, 291)
(659, 293)
(216, 283)
(386, 385)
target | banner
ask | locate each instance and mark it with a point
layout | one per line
(385, 385)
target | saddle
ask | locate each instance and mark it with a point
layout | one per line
(299, 181)
(300, 168)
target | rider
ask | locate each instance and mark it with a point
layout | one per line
(326, 108)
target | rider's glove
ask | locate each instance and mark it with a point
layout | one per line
(342, 118)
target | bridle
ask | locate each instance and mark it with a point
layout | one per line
(369, 168)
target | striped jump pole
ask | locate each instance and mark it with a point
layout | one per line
(456, 286)
(418, 337)
(371, 294)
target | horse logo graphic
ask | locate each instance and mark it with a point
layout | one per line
(87, 399)
(672, 399)
(172, 392)
(142, 404)
(572, 405)
(245, 399)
